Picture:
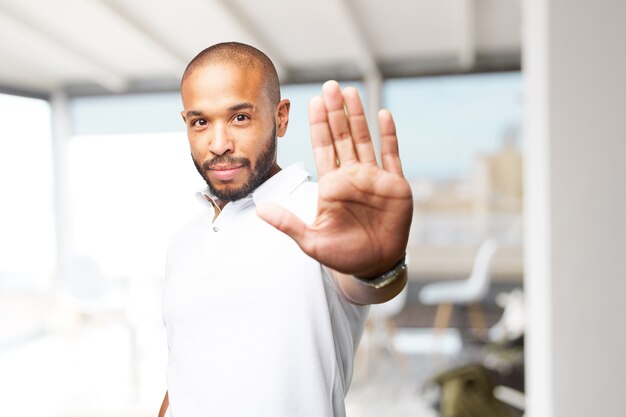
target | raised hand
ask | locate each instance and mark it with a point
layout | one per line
(364, 211)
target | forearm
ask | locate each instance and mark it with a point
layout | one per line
(358, 292)
(164, 405)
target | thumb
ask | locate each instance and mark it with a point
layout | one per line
(283, 220)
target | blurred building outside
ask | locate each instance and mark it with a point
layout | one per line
(453, 216)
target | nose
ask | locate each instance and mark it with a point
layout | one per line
(221, 143)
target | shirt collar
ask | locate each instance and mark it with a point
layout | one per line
(277, 186)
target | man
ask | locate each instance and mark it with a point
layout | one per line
(267, 290)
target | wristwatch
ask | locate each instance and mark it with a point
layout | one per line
(386, 278)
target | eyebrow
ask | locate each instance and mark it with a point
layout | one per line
(241, 106)
(236, 107)
(193, 113)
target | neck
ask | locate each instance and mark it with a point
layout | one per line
(275, 170)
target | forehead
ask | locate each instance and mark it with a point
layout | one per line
(220, 85)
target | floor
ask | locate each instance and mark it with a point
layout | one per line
(87, 370)
(394, 382)
(88, 374)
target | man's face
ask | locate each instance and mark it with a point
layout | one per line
(232, 128)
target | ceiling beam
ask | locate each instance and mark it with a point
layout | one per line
(97, 71)
(178, 60)
(410, 68)
(366, 61)
(22, 75)
(17, 91)
(250, 28)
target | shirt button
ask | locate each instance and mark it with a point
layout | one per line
(216, 229)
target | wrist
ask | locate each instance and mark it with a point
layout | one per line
(387, 277)
(378, 271)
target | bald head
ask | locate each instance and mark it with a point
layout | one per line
(242, 55)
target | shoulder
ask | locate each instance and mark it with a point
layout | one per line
(302, 201)
(306, 193)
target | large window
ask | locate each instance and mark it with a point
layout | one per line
(129, 194)
(296, 145)
(460, 143)
(445, 122)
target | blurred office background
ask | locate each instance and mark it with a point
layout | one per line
(517, 242)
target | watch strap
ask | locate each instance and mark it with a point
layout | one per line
(386, 278)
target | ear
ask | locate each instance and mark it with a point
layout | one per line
(182, 113)
(282, 117)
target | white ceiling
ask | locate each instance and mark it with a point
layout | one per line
(134, 45)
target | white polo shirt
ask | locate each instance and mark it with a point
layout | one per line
(255, 327)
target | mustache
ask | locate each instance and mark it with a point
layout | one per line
(224, 159)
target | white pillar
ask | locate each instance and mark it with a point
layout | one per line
(467, 32)
(575, 175)
(60, 137)
(374, 90)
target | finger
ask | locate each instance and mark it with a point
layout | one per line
(358, 126)
(390, 155)
(321, 138)
(338, 122)
(283, 220)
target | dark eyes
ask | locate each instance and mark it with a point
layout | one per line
(199, 122)
(239, 118)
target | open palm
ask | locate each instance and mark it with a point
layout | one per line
(364, 211)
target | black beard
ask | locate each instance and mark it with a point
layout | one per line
(260, 172)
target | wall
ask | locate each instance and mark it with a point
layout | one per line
(575, 69)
